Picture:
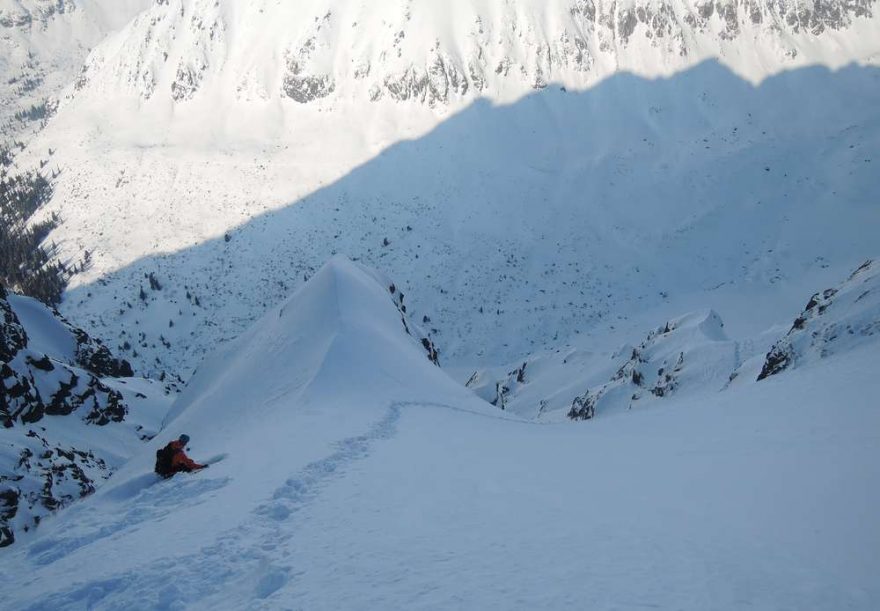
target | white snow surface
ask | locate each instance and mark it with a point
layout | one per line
(359, 476)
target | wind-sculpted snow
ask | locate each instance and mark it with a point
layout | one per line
(344, 318)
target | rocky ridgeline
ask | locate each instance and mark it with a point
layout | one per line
(504, 389)
(55, 384)
(685, 351)
(172, 48)
(687, 354)
(834, 320)
(413, 329)
(33, 13)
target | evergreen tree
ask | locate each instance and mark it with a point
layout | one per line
(26, 266)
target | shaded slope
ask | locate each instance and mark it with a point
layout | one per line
(516, 226)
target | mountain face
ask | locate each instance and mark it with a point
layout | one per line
(61, 393)
(44, 45)
(336, 52)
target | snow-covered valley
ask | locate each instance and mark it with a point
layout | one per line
(477, 304)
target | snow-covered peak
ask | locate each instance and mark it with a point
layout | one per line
(340, 339)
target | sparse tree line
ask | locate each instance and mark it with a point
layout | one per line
(27, 266)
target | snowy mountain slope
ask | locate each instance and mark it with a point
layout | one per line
(689, 356)
(324, 365)
(44, 43)
(834, 320)
(359, 475)
(338, 51)
(69, 419)
(691, 353)
(517, 226)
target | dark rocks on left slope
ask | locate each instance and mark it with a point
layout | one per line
(42, 396)
(12, 335)
(834, 320)
(35, 384)
(38, 477)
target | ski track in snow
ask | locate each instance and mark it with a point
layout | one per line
(151, 503)
(260, 544)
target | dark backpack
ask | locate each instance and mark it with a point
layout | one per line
(163, 461)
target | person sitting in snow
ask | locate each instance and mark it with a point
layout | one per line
(172, 459)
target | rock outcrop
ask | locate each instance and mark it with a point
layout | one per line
(58, 388)
(668, 358)
(834, 320)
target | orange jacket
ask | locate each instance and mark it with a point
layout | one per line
(182, 462)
